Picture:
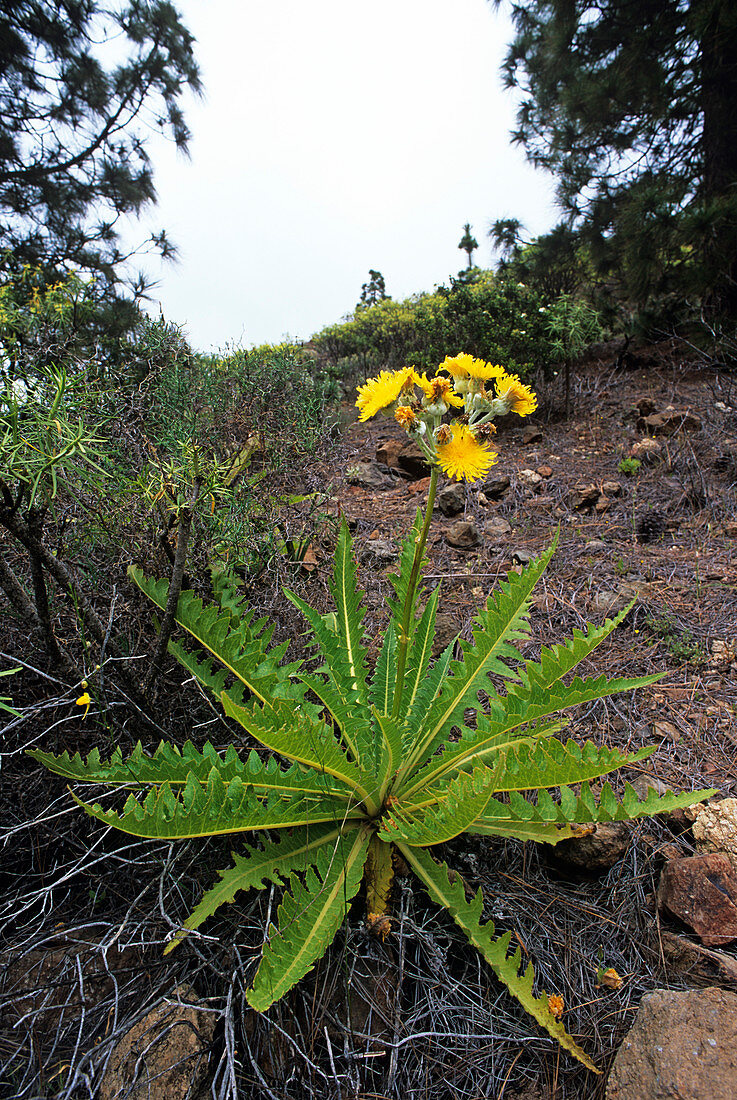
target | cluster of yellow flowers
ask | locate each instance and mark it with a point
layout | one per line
(461, 449)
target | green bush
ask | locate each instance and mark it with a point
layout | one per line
(491, 317)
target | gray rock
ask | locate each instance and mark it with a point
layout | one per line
(495, 487)
(497, 529)
(530, 479)
(682, 1046)
(463, 534)
(521, 557)
(595, 546)
(451, 499)
(367, 475)
(378, 553)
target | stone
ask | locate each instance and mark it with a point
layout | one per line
(544, 471)
(682, 1046)
(447, 629)
(603, 504)
(378, 553)
(669, 422)
(162, 1057)
(715, 828)
(497, 529)
(702, 965)
(646, 406)
(367, 475)
(530, 479)
(521, 557)
(611, 488)
(644, 783)
(584, 496)
(701, 891)
(600, 850)
(387, 452)
(451, 499)
(463, 534)
(608, 602)
(495, 487)
(646, 450)
(532, 435)
(412, 461)
(595, 546)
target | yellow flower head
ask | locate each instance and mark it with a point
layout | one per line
(485, 371)
(406, 417)
(462, 456)
(439, 389)
(379, 393)
(457, 365)
(518, 397)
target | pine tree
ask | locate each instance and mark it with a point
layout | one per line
(631, 104)
(80, 84)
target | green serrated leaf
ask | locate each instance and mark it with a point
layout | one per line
(508, 968)
(309, 916)
(278, 860)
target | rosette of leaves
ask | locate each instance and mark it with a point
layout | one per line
(376, 764)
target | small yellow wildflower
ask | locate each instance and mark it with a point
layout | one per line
(556, 1005)
(84, 701)
(517, 396)
(463, 456)
(379, 393)
(406, 417)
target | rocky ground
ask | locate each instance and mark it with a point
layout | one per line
(90, 1008)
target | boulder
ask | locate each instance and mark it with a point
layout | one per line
(682, 1046)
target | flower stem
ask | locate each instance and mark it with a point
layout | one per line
(409, 602)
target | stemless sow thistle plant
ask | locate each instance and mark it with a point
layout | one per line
(384, 763)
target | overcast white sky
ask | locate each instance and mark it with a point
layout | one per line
(335, 136)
